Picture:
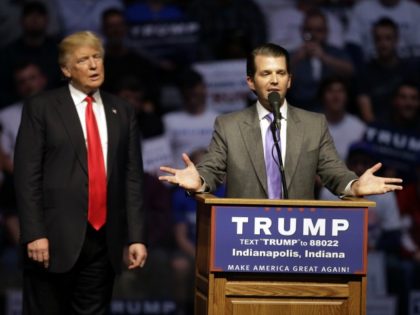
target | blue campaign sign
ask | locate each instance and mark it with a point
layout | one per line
(289, 240)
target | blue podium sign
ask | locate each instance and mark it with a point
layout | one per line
(289, 240)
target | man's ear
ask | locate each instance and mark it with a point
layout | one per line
(65, 71)
(250, 82)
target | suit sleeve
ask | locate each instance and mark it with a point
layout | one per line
(134, 183)
(28, 164)
(213, 166)
(332, 170)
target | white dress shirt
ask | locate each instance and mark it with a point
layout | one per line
(99, 111)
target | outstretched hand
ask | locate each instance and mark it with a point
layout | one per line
(187, 178)
(369, 184)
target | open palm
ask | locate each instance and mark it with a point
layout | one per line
(369, 184)
(187, 178)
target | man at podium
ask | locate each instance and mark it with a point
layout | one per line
(273, 149)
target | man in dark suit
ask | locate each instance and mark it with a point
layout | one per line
(78, 177)
(238, 150)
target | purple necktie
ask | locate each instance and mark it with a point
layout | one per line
(271, 165)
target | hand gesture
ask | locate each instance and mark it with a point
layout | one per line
(314, 49)
(369, 184)
(187, 178)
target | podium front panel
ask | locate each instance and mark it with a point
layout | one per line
(304, 240)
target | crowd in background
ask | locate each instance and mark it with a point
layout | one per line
(358, 62)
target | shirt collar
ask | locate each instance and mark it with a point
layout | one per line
(79, 96)
(262, 111)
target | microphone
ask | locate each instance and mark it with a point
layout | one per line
(275, 101)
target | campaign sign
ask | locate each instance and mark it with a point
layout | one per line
(227, 90)
(289, 240)
(399, 148)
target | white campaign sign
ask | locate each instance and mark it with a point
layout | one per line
(156, 151)
(226, 84)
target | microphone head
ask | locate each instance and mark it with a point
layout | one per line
(275, 102)
(274, 97)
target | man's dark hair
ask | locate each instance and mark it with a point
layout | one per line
(34, 7)
(269, 50)
(110, 12)
(386, 22)
(22, 64)
(407, 82)
(189, 78)
(315, 12)
(328, 81)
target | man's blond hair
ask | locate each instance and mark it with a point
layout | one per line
(76, 40)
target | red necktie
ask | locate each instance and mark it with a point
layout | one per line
(96, 170)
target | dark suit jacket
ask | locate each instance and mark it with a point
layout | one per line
(236, 151)
(51, 177)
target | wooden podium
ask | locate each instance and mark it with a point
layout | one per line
(221, 292)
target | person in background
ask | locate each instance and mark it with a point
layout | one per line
(190, 128)
(34, 45)
(344, 127)
(131, 89)
(121, 60)
(29, 80)
(382, 74)
(315, 60)
(228, 28)
(78, 15)
(405, 108)
(364, 14)
(285, 24)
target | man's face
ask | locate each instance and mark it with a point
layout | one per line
(195, 98)
(85, 69)
(35, 24)
(385, 40)
(271, 75)
(114, 28)
(407, 102)
(335, 97)
(29, 81)
(315, 29)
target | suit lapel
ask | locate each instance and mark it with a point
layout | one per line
(70, 118)
(112, 121)
(294, 136)
(251, 136)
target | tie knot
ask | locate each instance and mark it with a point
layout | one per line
(269, 117)
(89, 99)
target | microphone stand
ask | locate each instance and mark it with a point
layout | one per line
(280, 164)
